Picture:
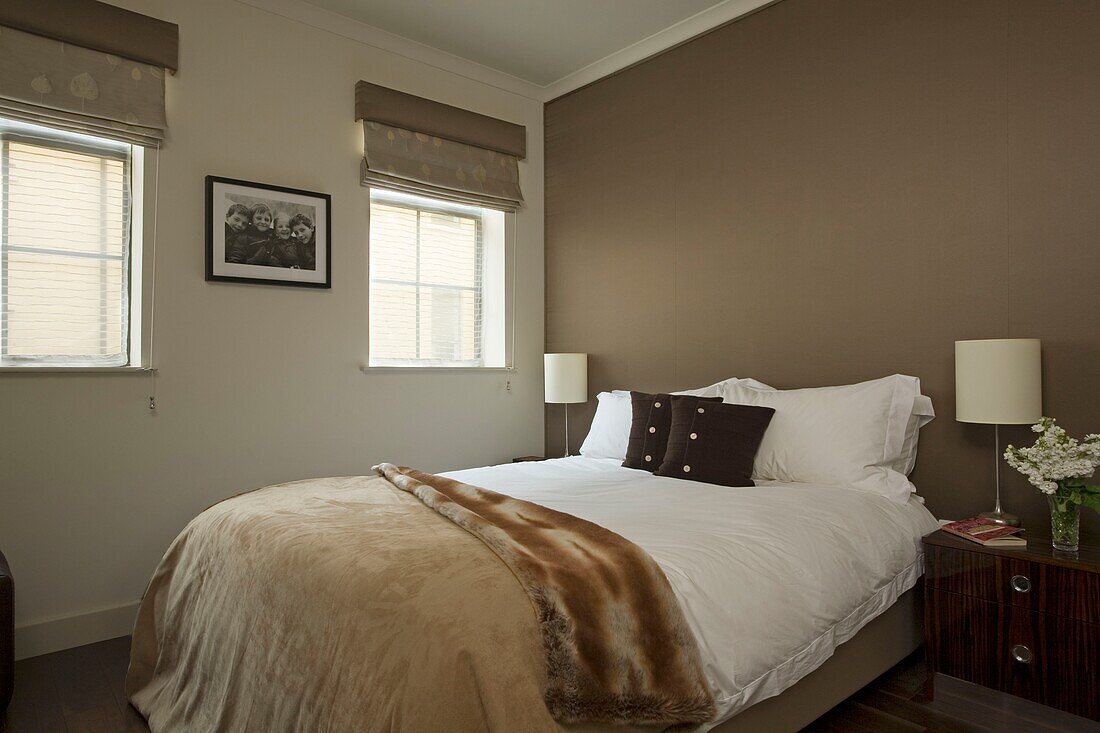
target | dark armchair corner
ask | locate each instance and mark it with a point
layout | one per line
(7, 633)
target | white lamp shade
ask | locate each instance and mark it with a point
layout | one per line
(566, 378)
(998, 381)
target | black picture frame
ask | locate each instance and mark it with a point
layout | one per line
(247, 255)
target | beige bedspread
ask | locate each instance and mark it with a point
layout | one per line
(338, 604)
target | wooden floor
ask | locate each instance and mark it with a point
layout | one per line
(893, 704)
(75, 690)
(80, 691)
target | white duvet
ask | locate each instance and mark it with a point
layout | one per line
(770, 578)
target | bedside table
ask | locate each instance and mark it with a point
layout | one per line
(1025, 622)
(7, 635)
(525, 459)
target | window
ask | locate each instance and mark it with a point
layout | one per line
(65, 248)
(436, 283)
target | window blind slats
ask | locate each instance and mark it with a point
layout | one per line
(65, 250)
(426, 280)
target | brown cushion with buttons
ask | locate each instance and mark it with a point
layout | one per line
(651, 419)
(715, 444)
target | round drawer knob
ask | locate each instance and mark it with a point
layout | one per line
(1021, 654)
(1021, 583)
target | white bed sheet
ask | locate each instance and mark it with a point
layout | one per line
(770, 578)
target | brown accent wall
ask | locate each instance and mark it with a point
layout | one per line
(828, 191)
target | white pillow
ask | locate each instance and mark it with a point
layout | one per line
(715, 390)
(847, 436)
(922, 415)
(610, 427)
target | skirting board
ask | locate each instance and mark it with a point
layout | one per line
(66, 632)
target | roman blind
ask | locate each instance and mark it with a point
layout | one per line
(420, 146)
(86, 67)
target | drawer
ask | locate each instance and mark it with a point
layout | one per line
(1014, 581)
(1049, 659)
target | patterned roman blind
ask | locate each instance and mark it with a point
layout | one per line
(68, 66)
(419, 146)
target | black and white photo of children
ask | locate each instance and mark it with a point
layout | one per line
(273, 234)
(263, 233)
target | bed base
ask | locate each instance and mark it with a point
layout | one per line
(882, 643)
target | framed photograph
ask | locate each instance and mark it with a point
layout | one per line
(256, 233)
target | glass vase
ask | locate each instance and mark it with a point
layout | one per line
(1065, 524)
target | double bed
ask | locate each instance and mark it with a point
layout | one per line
(771, 578)
(347, 604)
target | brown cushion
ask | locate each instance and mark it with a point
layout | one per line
(715, 444)
(649, 426)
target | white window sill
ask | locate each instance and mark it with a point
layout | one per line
(75, 370)
(413, 369)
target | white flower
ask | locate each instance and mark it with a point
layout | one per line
(1055, 457)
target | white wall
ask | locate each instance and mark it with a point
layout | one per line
(256, 384)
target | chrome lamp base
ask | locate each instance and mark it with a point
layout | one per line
(999, 517)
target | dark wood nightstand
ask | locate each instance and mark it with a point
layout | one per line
(1026, 622)
(525, 459)
(7, 635)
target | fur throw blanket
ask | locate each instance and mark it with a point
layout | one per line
(617, 647)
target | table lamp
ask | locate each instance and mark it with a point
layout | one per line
(566, 383)
(998, 382)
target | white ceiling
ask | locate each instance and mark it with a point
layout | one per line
(542, 41)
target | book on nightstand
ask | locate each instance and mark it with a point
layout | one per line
(987, 533)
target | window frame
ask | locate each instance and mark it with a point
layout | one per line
(424, 203)
(141, 197)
